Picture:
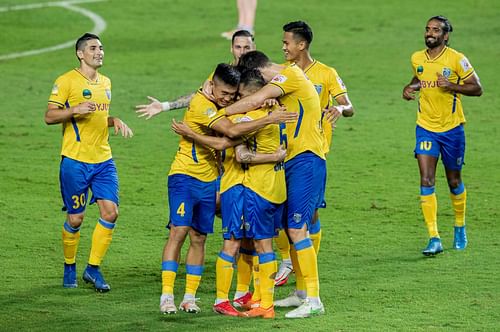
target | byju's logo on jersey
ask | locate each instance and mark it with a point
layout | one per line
(87, 94)
(318, 88)
(446, 72)
(420, 70)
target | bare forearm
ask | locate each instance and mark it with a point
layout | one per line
(217, 143)
(181, 102)
(467, 89)
(59, 115)
(245, 156)
(244, 105)
(244, 128)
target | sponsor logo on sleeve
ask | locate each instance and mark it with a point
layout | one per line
(466, 66)
(279, 78)
(55, 89)
(341, 83)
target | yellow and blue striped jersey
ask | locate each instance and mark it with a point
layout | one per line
(192, 159)
(267, 180)
(329, 86)
(299, 95)
(85, 137)
(440, 110)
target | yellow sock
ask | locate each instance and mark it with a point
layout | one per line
(316, 240)
(429, 210)
(283, 245)
(71, 238)
(308, 266)
(459, 203)
(168, 274)
(101, 239)
(193, 278)
(256, 295)
(267, 273)
(244, 271)
(223, 275)
(299, 278)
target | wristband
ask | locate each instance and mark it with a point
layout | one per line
(165, 106)
(339, 108)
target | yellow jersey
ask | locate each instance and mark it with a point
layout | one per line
(267, 180)
(234, 172)
(439, 110)
(299, 95)
(329, 86)
(192, 159)
(85, 137)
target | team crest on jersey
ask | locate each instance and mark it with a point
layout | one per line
(465, 64)
(318, 88)
(108, 93)
(87, 94)
(210, 112)
(297, 217)
(55, 89)
(279, 78)
(446, 72)
(420, 69)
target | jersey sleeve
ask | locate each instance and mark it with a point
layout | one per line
(337, 86)
(60, 92)
(286, 81)
(206, 114)
(464, 68)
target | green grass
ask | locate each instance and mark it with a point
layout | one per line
(373, 276)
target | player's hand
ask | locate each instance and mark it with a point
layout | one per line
(280, 116)
(180, 128)
(207, 90)
(332, 114)
(410, 90)
(280, 154)
(84, 108)
(122, 127)
(269, 103)
(443, 82)
(149, 110)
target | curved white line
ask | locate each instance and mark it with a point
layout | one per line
(99, 26)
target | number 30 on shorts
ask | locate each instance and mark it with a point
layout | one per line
(181, 210)
(78, 201)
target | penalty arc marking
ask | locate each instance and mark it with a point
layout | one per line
(99, 24)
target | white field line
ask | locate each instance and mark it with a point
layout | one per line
(99, 24)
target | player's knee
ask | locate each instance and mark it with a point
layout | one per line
(231, 247)
(427, 181)
(75, 220)
(110, 215)
(197, 239)
(454, 183)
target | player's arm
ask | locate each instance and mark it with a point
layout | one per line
(156, 107)
(56, 114)
(344, 108)
(232, 130)
(217, 143)
(470, 87)
(246, 156)
(120, 126)
(410, 89)
(255, 100)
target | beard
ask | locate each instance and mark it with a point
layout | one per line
(432, 43)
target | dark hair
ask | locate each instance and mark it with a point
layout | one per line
(254, 60)
(242, 33)
(252, 77)
(80, 43)
(227, 74)
(300, 29)
(446, 23)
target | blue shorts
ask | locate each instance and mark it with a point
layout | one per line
(231, 202)
(450, 145)
(76, 178)
(262, 218)
(191, 202)
(305, 177)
